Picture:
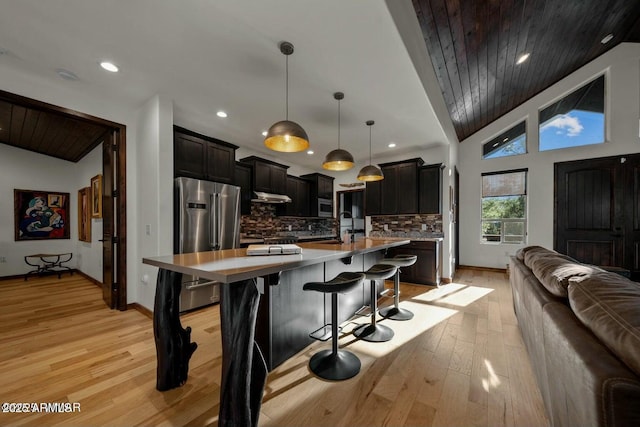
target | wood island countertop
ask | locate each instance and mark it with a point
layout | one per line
(234, 265)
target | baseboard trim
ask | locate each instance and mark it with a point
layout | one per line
(142, 309)
(471, 267)
(46, 273)
(89, 278)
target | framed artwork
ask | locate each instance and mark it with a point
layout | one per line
(84, 214)
(96, 196)
(40, 215)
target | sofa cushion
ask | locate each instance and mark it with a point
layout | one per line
(520, 252)
(609, 305)
(555, 270)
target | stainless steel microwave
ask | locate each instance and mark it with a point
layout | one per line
(325, 208)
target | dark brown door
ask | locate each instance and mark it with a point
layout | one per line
(631, 229)
(108, 226)
(114, 220)
(590, 220)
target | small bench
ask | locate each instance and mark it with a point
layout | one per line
(48, 263)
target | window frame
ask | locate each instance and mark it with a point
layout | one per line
(564, 97)
(504, 221)
(497, 142)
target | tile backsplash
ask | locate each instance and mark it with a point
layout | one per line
(264, 221)
(410, 225)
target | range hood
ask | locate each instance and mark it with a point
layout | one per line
(270, 198)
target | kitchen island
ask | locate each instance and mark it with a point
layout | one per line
(244, 369)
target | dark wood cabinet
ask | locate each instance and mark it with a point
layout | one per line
(320, 187)
(372, 198)
(268, 176)
(202, 157)
(397, 193)
(298, 190)
(243, 175)
(426, 270)
(430, 185)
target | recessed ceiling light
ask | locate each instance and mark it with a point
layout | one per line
(523, 58)
(506, 139)
(109, 66)
(221, 114)
(606, 39)
(310, 152)
(391, 145)
(264, 133)
(66, 74)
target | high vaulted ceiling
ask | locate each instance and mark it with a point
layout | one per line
(474, 46)
(207, 56)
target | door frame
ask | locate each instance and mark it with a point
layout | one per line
(119, 289)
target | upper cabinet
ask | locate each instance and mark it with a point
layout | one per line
(397, 193)
(202, 157)
(430, 197)
(298, 190)
(268, 176)
(320, 187)
(243, 180)
(408, 187)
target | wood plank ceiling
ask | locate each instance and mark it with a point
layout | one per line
(474, 46)
(47, 129)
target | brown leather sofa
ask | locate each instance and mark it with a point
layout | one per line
(581, 328)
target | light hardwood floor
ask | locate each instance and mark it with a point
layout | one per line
(459, 362)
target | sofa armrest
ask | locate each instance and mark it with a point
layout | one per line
(588, 385)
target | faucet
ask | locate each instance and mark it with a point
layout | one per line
(353, 226)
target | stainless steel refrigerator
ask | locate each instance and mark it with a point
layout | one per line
(207, 218)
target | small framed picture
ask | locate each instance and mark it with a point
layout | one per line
(96, 196)
(84, 214)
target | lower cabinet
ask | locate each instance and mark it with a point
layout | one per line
(287, 314)
(427, 269)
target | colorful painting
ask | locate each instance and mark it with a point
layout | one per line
(41, 215)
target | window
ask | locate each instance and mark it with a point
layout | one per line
(509, 143)
(504, 207)
(575, 120)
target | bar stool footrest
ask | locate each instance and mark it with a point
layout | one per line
(364, 311)
(323, 333)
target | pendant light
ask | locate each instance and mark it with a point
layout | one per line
(370, 172)
(338, 160)
(286, 136)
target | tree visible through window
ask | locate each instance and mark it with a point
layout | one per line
(509, 143)
(504, 207)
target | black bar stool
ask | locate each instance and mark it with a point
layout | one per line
(394, 312)
(335, 364)
(374, 332)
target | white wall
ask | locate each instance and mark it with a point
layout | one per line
(88, 254)
(154, 174)
(77, 96)
(622, 91)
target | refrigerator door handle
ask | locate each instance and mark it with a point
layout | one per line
(214, 221)
(219, 222)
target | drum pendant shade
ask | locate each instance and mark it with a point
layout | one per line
(286, 136)
(338, 159)
(370, 172)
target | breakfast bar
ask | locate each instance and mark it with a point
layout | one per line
(244, 369)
